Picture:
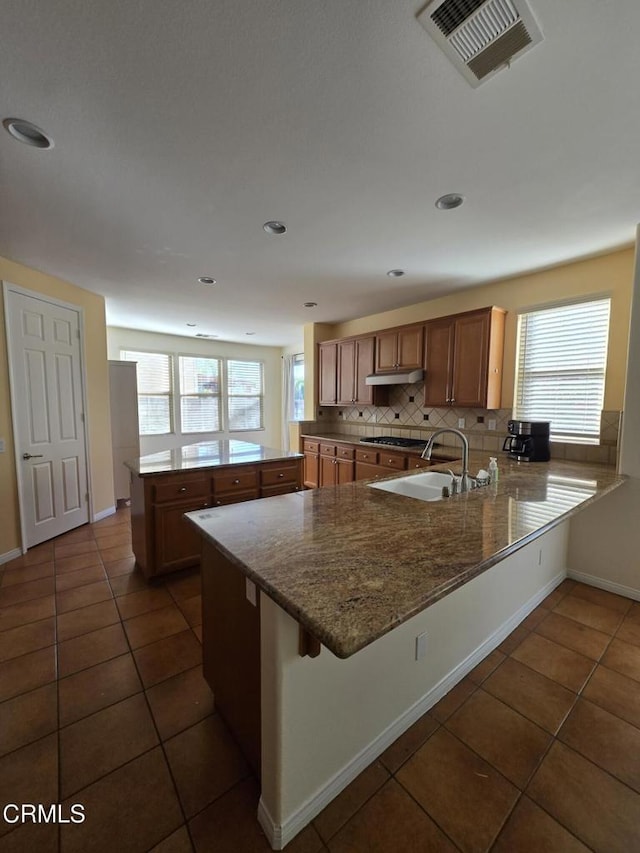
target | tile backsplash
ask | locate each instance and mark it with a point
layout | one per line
(405, 416)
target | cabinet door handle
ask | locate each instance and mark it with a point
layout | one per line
(236, 482)
(365, 456)
(182, 489)
(281, 476)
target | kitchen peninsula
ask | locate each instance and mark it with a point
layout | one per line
(166, 485)
(366, 573)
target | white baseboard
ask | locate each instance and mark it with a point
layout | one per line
(104, 513)
(279, 835)
(602, 583)
(10, 555)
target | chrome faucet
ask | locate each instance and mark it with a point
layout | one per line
(465, 481)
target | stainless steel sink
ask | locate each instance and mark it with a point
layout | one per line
(423, 487)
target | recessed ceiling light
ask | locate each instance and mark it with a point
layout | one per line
(191, 325)
(449, 201)
(310, 304)
(203, 335)
(274, 227)
(206, 279)
(25, 131)
(395, 273)
(249, 333)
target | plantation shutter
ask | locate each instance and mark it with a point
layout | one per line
(155, 401)
(562, 357)
(199, 394)
(245, 394)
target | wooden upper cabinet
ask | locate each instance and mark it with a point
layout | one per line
(439, 362)
(343, 367)
(364, 362)
(346, 372)
(464, 360)
(355, 363)
(399, 349)
(327, 374)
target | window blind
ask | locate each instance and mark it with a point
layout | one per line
(155, 398)
(245, 390)
(561, 362)
(199, 394)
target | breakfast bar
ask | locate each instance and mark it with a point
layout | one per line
(377, 579)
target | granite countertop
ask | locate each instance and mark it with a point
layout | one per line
(350, 562)
(206, 454)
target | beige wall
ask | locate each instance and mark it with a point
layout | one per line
(96, 371)
(610, 274)
(271, 436)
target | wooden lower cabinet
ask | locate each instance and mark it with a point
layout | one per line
(163, 540)
(331, 464)
(311, 470)
(177, 543)
(231, 649)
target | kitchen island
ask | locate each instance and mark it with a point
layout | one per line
(366, 573)
(167, 484)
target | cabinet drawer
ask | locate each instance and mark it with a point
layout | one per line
(281, 489)
(418, 462)
(235, 481)
(310, 446)
(277, 476)
(392, 460)
(345, 452)
(235, 497)
(368, 456)
(365, 471)
(181, 489)
(328, 449)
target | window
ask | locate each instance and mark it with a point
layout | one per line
(245, 394)
(560, 368)
(298, 387)
(199, 394)
(155, 398)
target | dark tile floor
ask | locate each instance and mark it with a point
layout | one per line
(102, 702)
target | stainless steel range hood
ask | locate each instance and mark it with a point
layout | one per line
(408, 377)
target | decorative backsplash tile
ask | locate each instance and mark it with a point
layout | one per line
(406, 417)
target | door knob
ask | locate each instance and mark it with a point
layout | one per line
(32, 455)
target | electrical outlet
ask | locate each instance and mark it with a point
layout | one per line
(421, 646)
(251, 592)
(461, 423)
(491, 423)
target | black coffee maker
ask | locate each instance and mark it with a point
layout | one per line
(528, 441)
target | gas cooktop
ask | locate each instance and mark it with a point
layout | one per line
(394, 441)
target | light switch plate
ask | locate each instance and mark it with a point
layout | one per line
(1, 445)
(461, 423)
(491, 423)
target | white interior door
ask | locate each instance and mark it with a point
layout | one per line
(46, 386)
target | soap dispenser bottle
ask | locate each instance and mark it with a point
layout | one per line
(493, 470)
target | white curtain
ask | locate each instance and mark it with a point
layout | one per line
(287, 398)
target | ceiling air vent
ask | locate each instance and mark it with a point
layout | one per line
(481, 37)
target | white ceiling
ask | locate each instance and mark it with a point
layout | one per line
(180, 127)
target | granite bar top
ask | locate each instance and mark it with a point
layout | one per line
(206, 454)
(351, 562)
